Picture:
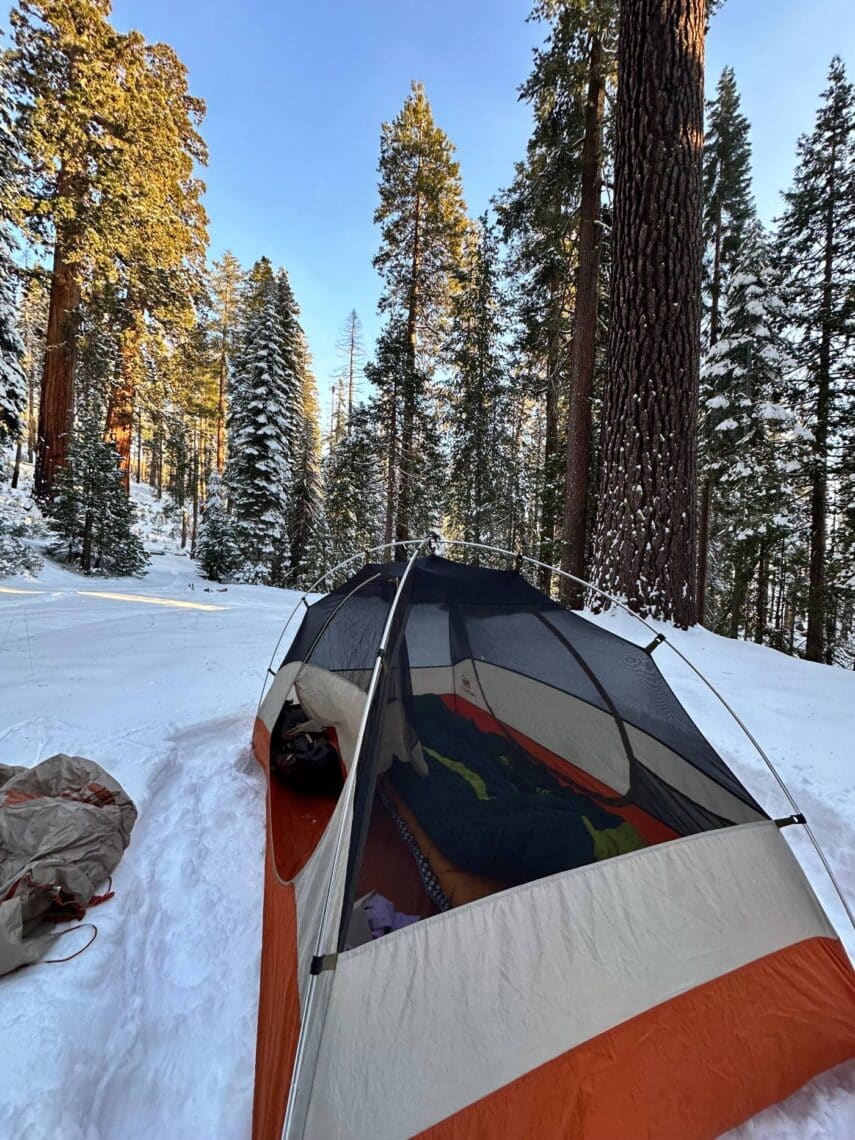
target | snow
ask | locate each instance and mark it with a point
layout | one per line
(151, 1032)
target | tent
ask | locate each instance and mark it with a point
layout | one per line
(540, 904)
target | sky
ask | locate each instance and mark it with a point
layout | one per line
(296, 93)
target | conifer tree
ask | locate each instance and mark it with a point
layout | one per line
(225, 280)
(353, 486)
(218, 552)
(479, 459)
(259, 469)
(32, 323)
(307, 508)
(728, 208)
(352, 352)
(90, 512)
(750, 439)
(387, 373)
(12, 379)
(550, 215)
(318, 554)
(816, 238)
(728, 203)
(421, 215)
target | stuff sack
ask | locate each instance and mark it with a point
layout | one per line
(64, 825)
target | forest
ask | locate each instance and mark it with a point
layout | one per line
(666, 410)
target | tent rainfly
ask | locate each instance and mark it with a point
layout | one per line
(535, 901)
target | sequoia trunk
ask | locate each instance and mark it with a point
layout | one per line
(56, 406)
(645, 539)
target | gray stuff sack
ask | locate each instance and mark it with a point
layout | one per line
(64, 825)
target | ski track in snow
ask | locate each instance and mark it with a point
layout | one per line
(151, 1032)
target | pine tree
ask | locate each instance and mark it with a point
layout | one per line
(307, 505)
(553, 212)
(318, 554)
(550, 215)
(479, 437)
(750, 440)
(12, 379)
(91, 513)
(259, 468)
(225, 280)
(218, 552)
(728, 208)
(645, 532)
(352, 352)
(421, 215)
(728, 204)
(816, 238)
(353, 486)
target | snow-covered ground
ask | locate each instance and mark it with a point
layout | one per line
(151, 1032)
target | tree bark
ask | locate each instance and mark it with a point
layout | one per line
(408, 410)
(552, 469)
(120, 426)
(715, 285)
(762, 594)
(706, 490)
(56, 406)
(16, 470)
(645, 540)
(583, 351)
(392, 470)
(815, 642)
(703, 552)
(221, 406)
(31, 415)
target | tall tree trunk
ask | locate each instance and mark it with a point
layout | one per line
(741, 583)
(645, 540)
(120, 426)
(16, 470)
(577, 491)
(715, 284)
(552, 471)
(221, 407)
(56, 406)
(86, 546)
(706, 488)
(139, 449)
(408, 410)
(351, 369)
(815, 644)
(703, 551)
(762, 594)
(392, 471)
(31, 415)
(194, 532)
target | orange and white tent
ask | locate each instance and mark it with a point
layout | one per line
(541, 903)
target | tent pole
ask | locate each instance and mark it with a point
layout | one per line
(417, 542)
(297, 1107)
(662, 638)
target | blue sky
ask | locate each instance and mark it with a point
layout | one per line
(296, 92)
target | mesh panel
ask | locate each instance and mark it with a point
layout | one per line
(516, 758)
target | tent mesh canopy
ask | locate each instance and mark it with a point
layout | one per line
(508, 738)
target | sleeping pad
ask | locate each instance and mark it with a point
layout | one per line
(494, 810)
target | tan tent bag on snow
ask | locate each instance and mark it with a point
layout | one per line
(64, 825)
